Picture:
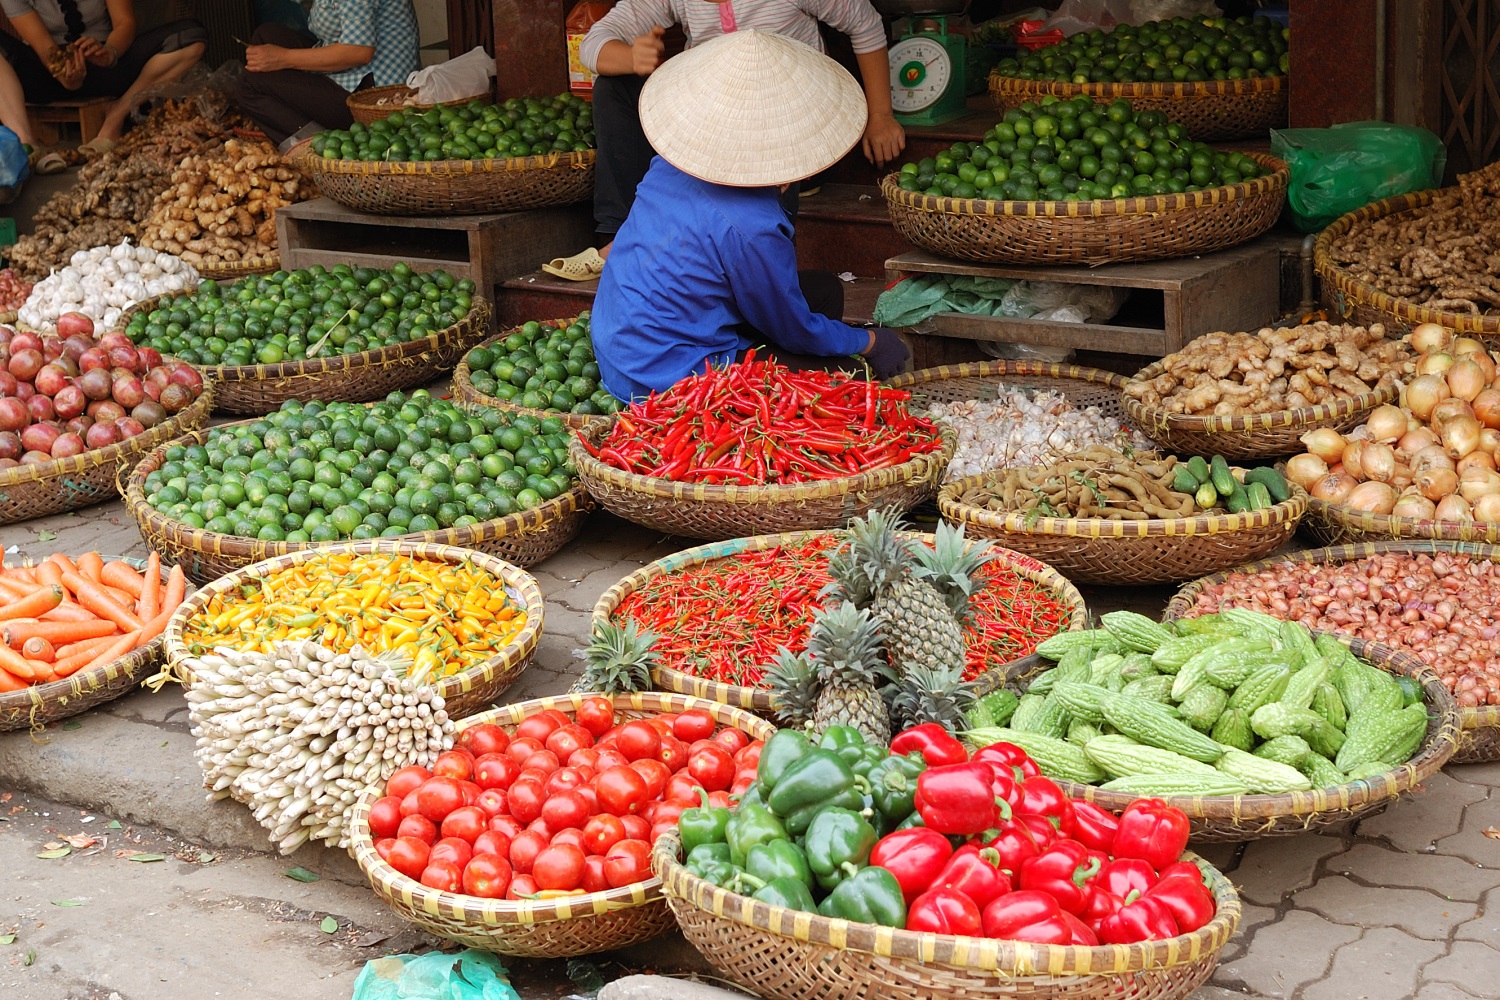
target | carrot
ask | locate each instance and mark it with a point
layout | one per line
(40, 601)
(25, 574)
(150, 603)
(62, 562)
(94, 597)
(49, 572)
(10, 682)
(17, 664)
(84, 646)
(156, 626)
(14, 590)
(122, 576)
(121, 646)
(69, 611)
(57, 633)
(123, 597)
(91, 565)
(176, 589)
(37, 648)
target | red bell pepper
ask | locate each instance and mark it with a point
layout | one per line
(1140, 919)
(1063, 871)
(1182, 868)
(944, 911)
(1042, 797)
(1027, 916)
(1014, 841)
(1008, 756)
(936, 745)
(957, 798)
(916, 857)
(1005, 785)
(1042, 830)
(1093, 826)
(1102, 903)
(976, 872)
(1082, 934)
(1186, 898)
(1152, 831)
(1123, 876)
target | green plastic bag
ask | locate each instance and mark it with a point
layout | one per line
(468, 975)
(1340, 169)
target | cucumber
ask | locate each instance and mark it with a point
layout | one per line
(1238, 501)
(1260, 497)
(1183, 481)
(1207, 497)
(1198, 466)
(1222, 478)
(1272, 480)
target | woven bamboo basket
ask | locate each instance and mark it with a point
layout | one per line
(759, 699)
(465, 394)
(254, 390)
(466, 693)
(28, 491)
(1479, 735)
(1210, 110)
(246, 268)
(1360, 302)
(524, 538)
(700, 510)
(1123, 553)
(1090, 232)
(1235, 818)
(982, 379)
(374, 103)
(556, 928)
(791, 955)
(1335, 524)
(36, 706)
(1249, 435)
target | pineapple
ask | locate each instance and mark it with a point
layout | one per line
(926, 695)
(952, 566)
(845, 651)
(617, 660)
(793, 683)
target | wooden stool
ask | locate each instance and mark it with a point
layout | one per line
(87, 113)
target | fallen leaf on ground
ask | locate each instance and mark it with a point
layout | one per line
(142, 857)
(81, 840)
(301, 874)
(30, 957)
(115, 824)
(56, 852)
(7, 939)
(45, 536)
(72, 725)
(370, 939)
(67, 902)
(329, 925)
(1492, 832)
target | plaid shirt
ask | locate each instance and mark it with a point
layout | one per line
(387, 26)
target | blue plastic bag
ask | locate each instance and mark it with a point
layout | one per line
(1338, 170)
(468, 975)
(14, 167)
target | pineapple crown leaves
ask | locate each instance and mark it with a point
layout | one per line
(793, 684)
(617, 659)
(845, 645)
(931, 694)
(871, 559)
(951, 565)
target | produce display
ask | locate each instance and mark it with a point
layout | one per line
(68, 393)
(1183, 49)
(102, 282)
(64, 615)
(1234, 703)
(473, 131)
(297, 733)
(1098, 482)
(544, 367)
(1274, 368)
(300, 315)
(321, 473)
(1442, 608)
(776, 592)
(560, 805)
(757, 422)
(845, 829)
(1022, 427)
(1077, 150)
(1438, 256)
(441, 617)
(1434, 456)
(14, 290)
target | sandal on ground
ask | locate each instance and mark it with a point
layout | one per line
(50, 162)
(585, 266)
(97, 146)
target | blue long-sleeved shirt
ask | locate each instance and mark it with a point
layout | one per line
(693, 262)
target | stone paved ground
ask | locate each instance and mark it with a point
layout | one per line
(1401, 906)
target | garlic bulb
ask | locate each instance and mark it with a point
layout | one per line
(102, 283)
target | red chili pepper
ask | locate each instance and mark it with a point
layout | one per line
(1140, 919)
(1152, 831)
(944, 911)
(957, 799)
(1042, 797)
(1026, 915)
(1122, 876)
(1011, 756)
(936, 745)
(916, 857)
(1186, 898)
(1063, 871)
(1094, 826)
(976, 872)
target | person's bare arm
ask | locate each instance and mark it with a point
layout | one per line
(121, 29)
(884, 137)
(640, 58)
(69, 69)
(320, 59)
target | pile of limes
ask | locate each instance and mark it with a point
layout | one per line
(325, 472)
(473, 131)
(1077, 150)
(313, 313)
(1182, 50)
(544, 366)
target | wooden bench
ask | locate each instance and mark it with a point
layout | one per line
(87, 113)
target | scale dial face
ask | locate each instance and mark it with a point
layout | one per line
(921, 70)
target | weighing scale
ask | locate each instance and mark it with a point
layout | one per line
(928, 73)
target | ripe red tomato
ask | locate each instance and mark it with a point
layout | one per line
(409, 856)
(406, 780)
(507, 824)
(694, 724)
(659, 830)
(564, 809)
(438, 796)
(590, 796)
(537, 727)
(564, 779)
(663, 723)
(383, 848)
(544, 760)
(628, 861)
(668, 813)
(568, 740)
(682, 787)
(471, 792)
(638, 740)
(593, 874)
(713, 766)
(453, 849)
(597, 715)
(457, 764)
(521, 887)
(409, 804)
(496, 770)
(673, 753)
(559, 866)
(656, 774)
(444, 875)
(621, 790)
(636, 827)
(417, 827)
(484, 738)
(719, 800)
(539, 825)
(524, 848)
(609, 758)
(525, 799)
(492, 801)
(467, 823)
(522, 747)
(492, 842)
(731, 739)
(585, 757)
(743, 779)
(602, 832)
(487, 876)
(561, 718)
(385, 816)
(572, 835)
(749, 756)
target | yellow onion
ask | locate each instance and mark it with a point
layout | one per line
(1431, 457)
(1386, 423)
(1373, 498)
(1415, 440)
(1434, 484)
(1412, 505)
(1487, 508)
(1466, 345)
(1466, 379)
(1460, 436)
(1304, 470)
(1429, 337)
(1487, 407)
(1325, 442)
(1486, 364)
(1436, 363)
(1476, 459)
(1401, 479)
(1334, 487)
(1447, 410)
(1378, 461)
(1476, 482)
(1352, 464)
(1454, 508)
(1489, 440)
(1424, 394)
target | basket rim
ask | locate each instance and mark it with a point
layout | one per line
(1100, 528)
(1001, 84)
(1019, 958)
(982, 369)
(500, 911)
(304, 157)
(1417, 528)
(512, 577)
(476, 318)
(1142, 206)
(198, 410)
(1470, 718)
(247, 267)
(464, 392)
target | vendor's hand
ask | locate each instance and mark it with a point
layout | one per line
(94, 51)
(72, 69)
(266, 58)
(646, 52)
(884, 138)
(887, 354)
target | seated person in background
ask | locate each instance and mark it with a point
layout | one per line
(292, 80)
(704, 267)
(72, 49)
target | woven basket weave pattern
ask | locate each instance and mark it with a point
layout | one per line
(246, 268)
(1210, 110)
(375, 103)
(1479, 736)
(1090, 232)
(466, 395)
(982, 380)
(1335, 524)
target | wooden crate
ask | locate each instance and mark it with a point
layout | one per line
(1171, 302)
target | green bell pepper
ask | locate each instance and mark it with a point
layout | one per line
(751, 794)
(780, 752)
(893, 787)
(873, 896)
(786, 892)
(702, 824)
(711, 863)
(750, 825)
(704, 853)
(778, 859)
(837, 737)
(861, 757)
(817, 779)
(838, 845)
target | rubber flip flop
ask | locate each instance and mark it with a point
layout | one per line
(585, 266)
(97, 146)
(50, 162)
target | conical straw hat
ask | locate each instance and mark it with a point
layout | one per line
(752, 109)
